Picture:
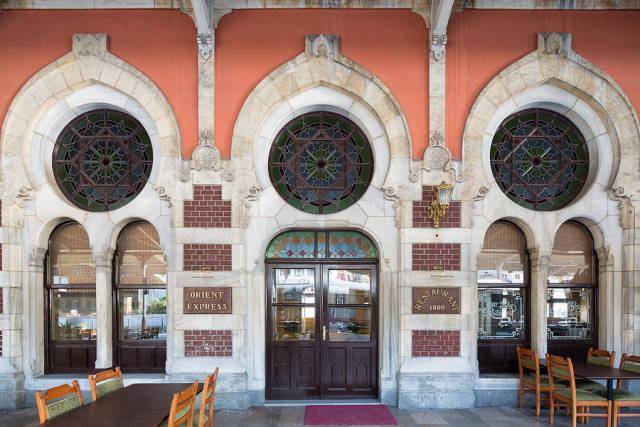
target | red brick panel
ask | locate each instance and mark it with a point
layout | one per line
(207, 209)
(0, 343)
(207, 343)
(213, 257)
(427, 343)
(436, 256)
(420, 217)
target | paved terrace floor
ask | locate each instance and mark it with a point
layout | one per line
(289, 416)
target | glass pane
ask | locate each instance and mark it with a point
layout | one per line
(349, 286)
(294, 323)
(569, 313)
(73, 314)
(349, 324)
(502, 259)
(71, 257)
(142, 314)
(293, 244)
(501, 313)
(293, 285)
(350, 245)
(141, 257)
(572, 257)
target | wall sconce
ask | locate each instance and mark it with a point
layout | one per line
(438, 209)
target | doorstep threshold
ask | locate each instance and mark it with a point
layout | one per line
(331, 402)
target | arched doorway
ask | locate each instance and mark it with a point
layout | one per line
(322, 315)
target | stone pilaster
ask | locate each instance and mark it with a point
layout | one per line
(538, 300)
(630, 276)
(104, 311)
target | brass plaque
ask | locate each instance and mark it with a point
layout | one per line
(435, 300)
(207, 301)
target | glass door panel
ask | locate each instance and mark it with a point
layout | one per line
(294, 323)
(293, 286)
(349, 286)
(349, 324)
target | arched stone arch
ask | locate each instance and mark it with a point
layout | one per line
(89, 64)
(555, 64)
(321, 65)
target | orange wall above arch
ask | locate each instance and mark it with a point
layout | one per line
(392, 44)
(481, 43)
(159, 43)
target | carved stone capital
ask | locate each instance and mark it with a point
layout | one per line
(36, 257)
(322, 45)
(605, 257)
(90, 44)
(554, 44)
(538, 258)
(627, 214)
(103, 259)
(205, 45)
(438, 45)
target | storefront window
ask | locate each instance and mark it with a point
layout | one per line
(571, 292)
(503, 281)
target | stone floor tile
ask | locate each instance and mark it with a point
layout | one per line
(429, 418)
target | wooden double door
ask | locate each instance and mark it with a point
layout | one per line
(322, 331)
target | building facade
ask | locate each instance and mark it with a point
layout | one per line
(252, 185)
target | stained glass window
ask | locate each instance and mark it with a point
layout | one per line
(102, 160)
(321, 163)
(539, 159)
(301, 244)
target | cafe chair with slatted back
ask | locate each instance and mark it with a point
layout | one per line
(623, 398)
(597, 357)
(205, 415)
(563, 384)
(105, 382)
(58, 400)
(530, 379)
(183, 407)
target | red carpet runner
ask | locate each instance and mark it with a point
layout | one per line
(343, 415)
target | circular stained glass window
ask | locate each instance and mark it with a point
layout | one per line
(102, 160)
(539, 159)
(321, 163)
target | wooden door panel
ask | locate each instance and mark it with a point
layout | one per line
(280, 368)
(337, 372)
(362, 368)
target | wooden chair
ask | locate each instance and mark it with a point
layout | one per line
(205, 417)
(58, 400)
(530, 379)
(623, 398)
(183, 407)
(560, 374)
(105, 382)
(598, 357)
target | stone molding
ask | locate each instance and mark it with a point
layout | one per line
(555, 63)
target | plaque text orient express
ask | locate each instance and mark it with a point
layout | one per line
(207, 301)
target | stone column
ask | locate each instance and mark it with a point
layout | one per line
(104, 310)
(538, 300)
(630, 277)
(206, 79)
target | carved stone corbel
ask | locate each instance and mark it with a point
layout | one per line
(554, 44)
(90, 44)
(205, 45)
(206, 156)
(322, 45)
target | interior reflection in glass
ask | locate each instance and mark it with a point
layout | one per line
(294, 323)
(568, 312)
(349, 324)
(294, 285)
(349, 287)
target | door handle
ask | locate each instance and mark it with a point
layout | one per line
(324, 333)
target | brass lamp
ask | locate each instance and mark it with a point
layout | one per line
(438, 209)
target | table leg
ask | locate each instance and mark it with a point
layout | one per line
(609, 389)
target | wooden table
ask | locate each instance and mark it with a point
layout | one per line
(592, 371)
(145, 405)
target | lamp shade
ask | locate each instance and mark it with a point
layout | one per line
(444, 191)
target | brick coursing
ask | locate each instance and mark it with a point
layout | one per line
(207, 209)
(436, 256)
(420, 218)
(217, 343)
(0, 343)
(427, 343)
(215, 257)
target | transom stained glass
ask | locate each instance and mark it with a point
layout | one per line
(539, 159)
(300, 244)
(102, 160)
(321, 163)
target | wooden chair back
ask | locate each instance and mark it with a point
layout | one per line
(629, 362)
(206, 405)
(58, 400)
(183, 407)
(561, 369)
(105, 382)
(528, 362)
(601, 357)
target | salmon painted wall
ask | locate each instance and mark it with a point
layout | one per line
(160, 43)
(483, 42)
(392, 44)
